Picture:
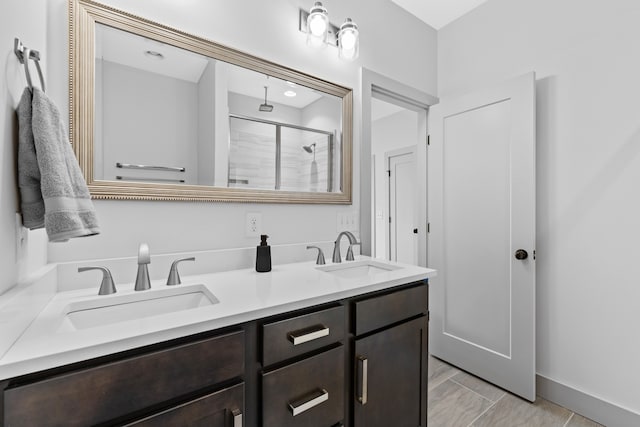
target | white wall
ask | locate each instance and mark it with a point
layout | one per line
(31, 29)
(221, 169)
(586, 57)
(388, 133)
(179, 226)
(207, 124)
(148, 119)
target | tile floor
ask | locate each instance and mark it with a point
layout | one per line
(457, 399)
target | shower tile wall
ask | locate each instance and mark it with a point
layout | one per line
(252, 158)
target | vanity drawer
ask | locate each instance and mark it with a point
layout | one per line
(104, 392)
(308, 393)
(298, 335)
(220, 409)
(378, 312)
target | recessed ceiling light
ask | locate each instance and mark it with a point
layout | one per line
(153, 54)
(290, 93)
(291, 84)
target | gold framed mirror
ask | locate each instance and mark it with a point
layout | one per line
(160, 114)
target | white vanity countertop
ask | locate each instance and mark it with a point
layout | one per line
(243, 295)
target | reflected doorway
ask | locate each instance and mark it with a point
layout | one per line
(395, 133)
(403, 226)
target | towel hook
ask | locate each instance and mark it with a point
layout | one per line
(23, 52)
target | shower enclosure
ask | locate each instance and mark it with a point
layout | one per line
(271, 155)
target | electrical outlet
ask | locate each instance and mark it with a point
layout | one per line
(341, 222)
(351, 221)
(253, 224)
(354, 222)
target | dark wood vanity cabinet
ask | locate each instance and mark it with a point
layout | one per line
(390, 388)
(118, 391)
(390, 359)
(303, 358)
(358, 362)
(220, 409)
(307, 393)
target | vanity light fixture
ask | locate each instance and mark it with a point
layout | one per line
(317, 25)
(320, 32)
(348, 40)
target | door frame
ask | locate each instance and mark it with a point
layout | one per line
(398, 93)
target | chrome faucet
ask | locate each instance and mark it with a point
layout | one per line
(144, 258)
(174, 276)
(106, 286)
(336, 247)
(320, 257)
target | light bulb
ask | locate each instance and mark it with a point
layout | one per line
(317, 25)
(348, 43)
(348, 40)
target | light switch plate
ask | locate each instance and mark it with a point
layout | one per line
(253, 224)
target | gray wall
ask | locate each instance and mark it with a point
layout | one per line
(207, 124)
(31, 28)
(586, 57)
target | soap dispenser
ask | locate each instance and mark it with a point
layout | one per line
(263, 255)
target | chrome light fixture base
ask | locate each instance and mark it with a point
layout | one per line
(332, 31)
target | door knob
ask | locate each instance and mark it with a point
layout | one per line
(521, 254)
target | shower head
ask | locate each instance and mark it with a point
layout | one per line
(265, 107)
(309, 148)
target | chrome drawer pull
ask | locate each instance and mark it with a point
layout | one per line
(309, 334)
(297, 407)
(362, 392)
(237, 418)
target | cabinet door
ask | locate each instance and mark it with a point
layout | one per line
(220, 409)
(391, 377)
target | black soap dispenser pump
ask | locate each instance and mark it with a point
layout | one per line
(263, 255)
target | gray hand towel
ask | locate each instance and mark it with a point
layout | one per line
(31, 202)
(68, 209)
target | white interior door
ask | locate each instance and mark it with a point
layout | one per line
(482, 212)
(403, 242)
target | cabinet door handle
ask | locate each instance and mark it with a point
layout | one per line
(299, 406)
(362, 373)
(237, 418)
(308, 334)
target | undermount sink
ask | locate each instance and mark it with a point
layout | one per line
(101, 311)
(355, 269)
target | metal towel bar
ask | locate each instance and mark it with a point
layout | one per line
(155, 168)
(21, 52)
(133, 178)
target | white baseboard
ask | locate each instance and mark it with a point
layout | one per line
(598, 410)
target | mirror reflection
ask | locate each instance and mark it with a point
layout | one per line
(168, 115)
